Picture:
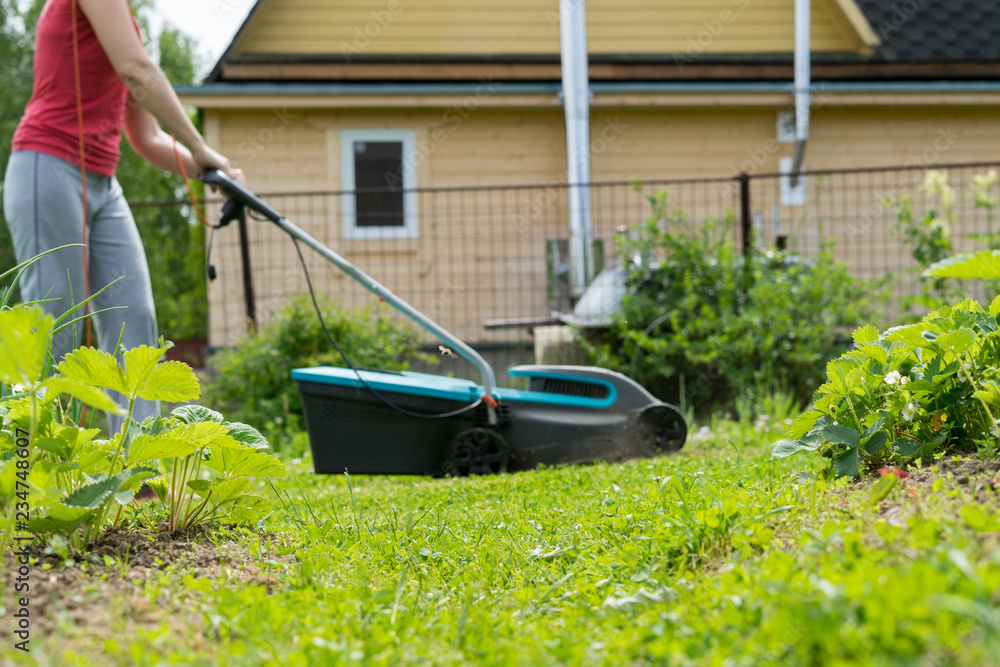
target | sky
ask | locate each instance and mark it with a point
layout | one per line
(211, 23)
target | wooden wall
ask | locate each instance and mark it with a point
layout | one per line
(460, 27)
(478, 256)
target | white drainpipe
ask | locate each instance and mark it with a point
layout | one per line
(802, 84)
(576, 98)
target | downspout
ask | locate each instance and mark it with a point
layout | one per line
(803, 83)
(576, 99)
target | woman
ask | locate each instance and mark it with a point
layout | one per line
(93, 79)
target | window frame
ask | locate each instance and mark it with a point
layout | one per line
(350, 228)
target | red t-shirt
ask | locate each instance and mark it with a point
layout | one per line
(50, 123)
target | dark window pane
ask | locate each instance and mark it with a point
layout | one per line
(378, 166)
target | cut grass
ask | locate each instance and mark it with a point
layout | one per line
(713, 556)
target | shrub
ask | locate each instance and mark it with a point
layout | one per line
(911, 392)
(252, 381)
(700, 324)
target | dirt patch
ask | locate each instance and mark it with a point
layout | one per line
(106, 584)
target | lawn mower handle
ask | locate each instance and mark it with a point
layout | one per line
(244, 196)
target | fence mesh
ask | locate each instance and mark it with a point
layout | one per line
(492, 264)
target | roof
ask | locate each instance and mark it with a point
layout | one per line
(912, 40)
(934, 30)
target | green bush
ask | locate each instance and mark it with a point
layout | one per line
(911, 392)
(252, 381)
(700, 324)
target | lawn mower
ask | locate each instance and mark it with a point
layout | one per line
(385, 422)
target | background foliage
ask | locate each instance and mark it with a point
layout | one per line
(700, 324)
(172, 237)
(252, 381)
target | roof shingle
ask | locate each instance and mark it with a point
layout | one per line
(935, 30)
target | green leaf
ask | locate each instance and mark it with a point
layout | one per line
(139, 362)
(909, 333)
(958, 341)
(876, 443)
(249, 509)
(990, 393)
(908, 447)
(247, 435)
(982, 265)
(190, 414)
(200, 486)
(170, 381)
(995, 306)
(93, 495)
(882, 488)
(92, 366)
(978, 520)
(230, 489)
(866, 334)
(256, 463)
(160, 488)
(875, 351)
(166, 446)
(89, 394)
(846, 465)
(875, 427)
(803, 424)
(25, 335)
(124, 497)
(66, 442)
(838, 434)
(60, 518)
(785, 448)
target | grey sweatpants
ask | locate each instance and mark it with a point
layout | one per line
(43, 204)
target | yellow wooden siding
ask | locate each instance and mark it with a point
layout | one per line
(477, 254)
(460, 27)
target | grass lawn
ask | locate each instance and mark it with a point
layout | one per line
(714, 556)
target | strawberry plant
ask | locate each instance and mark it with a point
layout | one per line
(58, 479)
(907, 393)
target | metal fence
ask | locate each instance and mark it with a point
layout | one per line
(490, 264)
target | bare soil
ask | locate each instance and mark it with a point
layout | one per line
(90, 591)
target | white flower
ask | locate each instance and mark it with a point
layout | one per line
(965, 372)
(17, 388)
(892, 378)
(909, 411)
(905, 380)
(982, 189)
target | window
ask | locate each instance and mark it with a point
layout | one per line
(379, 173)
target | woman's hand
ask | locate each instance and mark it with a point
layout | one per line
(206, 158)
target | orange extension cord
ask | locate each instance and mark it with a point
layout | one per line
(83, 166)
(83, 163)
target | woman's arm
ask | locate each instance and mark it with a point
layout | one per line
(153, 144)
(112, 23)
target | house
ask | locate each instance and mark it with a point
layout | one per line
(448, 105)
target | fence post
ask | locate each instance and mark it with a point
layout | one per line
(745, 221)
(248, 297)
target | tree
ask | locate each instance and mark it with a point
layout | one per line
(173, 237)
(16, 55)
